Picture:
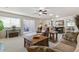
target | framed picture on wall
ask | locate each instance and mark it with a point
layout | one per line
(59, 23)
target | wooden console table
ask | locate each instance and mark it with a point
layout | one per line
(13, 33)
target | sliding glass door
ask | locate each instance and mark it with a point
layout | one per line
(29, 25)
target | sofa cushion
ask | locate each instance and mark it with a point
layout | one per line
(39, 49)
(69, 43)
(64, 47)
(71, 36)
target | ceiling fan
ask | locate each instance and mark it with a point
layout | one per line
(42, 11)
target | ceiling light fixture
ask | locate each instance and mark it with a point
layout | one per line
(50, 14)
(57, 16)
(41, 11)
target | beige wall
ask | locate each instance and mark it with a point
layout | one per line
(37, 21)
(43, 21)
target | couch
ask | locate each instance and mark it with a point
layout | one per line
(68, 44)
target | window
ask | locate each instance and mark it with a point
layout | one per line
(9, 22)
(15, 22)
(70, 23)
(29, 26)
(6, 21)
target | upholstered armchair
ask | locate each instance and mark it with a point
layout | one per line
(68, 43)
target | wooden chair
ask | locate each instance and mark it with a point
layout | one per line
(27, 43)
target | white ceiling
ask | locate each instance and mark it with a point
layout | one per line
(31, 11)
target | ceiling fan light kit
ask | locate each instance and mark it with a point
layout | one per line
(42, 12)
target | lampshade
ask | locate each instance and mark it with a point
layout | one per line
(1, 25)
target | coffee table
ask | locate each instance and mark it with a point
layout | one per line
(37, 40)
(40, 40)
